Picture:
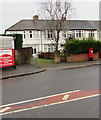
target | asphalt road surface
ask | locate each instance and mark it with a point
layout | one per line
(53, 83)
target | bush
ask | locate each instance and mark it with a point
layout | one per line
(76, 46)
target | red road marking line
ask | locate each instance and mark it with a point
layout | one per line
(52, 100)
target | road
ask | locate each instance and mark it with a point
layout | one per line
(50, 83)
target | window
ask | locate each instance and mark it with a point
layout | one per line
(35, 34)
(35, 48)
(64, 34)
(30, 33)
(91, 33)
(50, 34)
(49, 48)
(24, 35)
(79, 33)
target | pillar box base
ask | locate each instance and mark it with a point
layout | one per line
(90, 59)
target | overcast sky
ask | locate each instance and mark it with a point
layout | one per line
(12, 11)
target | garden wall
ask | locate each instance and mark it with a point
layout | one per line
(81, 57)
(23, 55)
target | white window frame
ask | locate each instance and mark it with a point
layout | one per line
(49, 34)
(49, 48)
(44, 34)
(91, 33)
(79, 33)
(64, 34)
(24, 34)
(36, 47)
(30, 34)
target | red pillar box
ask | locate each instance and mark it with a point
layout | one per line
(7, 57)
(91, 54)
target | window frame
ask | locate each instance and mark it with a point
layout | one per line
(30, 34)
(49, 34)
(91, 33)
(79, 33)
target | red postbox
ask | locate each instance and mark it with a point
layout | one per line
(91, 54)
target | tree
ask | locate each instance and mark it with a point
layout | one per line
(56, 15)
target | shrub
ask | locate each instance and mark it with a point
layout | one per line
(76, 46)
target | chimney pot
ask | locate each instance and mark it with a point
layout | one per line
(35, 18)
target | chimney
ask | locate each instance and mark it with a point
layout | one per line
(35, 18)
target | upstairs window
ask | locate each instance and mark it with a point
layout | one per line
(24, 35)
(35, 34)
(64, 34)
(30, 34)
(91, 33)
(79, 33)
(50, 34)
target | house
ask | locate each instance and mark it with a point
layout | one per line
(37, 34)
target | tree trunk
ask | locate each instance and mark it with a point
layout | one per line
(56, 57)
(57, 53)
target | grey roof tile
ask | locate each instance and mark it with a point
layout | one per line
(43, 24)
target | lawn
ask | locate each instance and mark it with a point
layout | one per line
(42, 62)
(45, 60)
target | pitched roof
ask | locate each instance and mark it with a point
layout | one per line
(43, 25)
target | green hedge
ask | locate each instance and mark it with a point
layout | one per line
(76, 46)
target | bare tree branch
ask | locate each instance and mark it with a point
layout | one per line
(57, 12)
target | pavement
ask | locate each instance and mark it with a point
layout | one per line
(20, 70)
(23, 70)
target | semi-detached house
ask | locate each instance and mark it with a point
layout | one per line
(37, 34)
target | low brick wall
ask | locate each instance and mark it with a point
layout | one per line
(81, 57)
(23, 56)
(100, 54)
(46, 55)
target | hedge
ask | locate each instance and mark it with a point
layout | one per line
(76, 46)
